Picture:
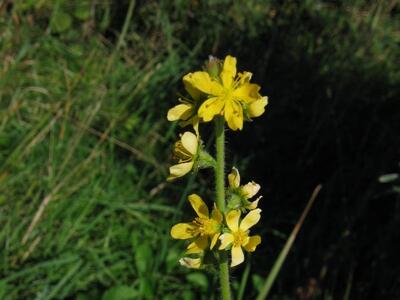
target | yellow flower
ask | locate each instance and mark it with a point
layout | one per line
(245, 192)
(238, 237)
(187, 110)
(202, 228)
(228, 95)
(185, 150)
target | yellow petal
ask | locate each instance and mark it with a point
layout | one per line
(179, 170)
(250, 189)
(234, 178)
(247, 92)
(190, 142)
(237, 256)
(199, 206)
(210, 108)
(183, 231)
(198, 246)
(234, 115)
(226, 239)
(203, 82)
(232, 219)
(228, 71)
(214, 240)
(192, 263)
(257, 108)
(244, 77)
(253, 242)
(216, 215)
(179, 112)
(193, 92)
(250, 219)
(254, 204)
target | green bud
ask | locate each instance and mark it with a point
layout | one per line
(205, 160)
(213, 66)
(234, 201)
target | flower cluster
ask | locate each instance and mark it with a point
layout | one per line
(206, 229)
(217, 92)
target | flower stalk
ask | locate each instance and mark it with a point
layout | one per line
(220, 233)
(220, 200)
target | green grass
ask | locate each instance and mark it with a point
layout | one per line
(85, 210)
(84, 152)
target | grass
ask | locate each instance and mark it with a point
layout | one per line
(83, 167)
(84, 145)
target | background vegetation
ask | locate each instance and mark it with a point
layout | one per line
(84, 145)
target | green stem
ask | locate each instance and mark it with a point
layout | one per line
(220, 199)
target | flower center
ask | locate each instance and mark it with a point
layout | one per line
(206, 226)
(240, 238)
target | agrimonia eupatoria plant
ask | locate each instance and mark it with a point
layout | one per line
(219, 94)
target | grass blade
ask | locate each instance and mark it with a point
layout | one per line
(282, 256)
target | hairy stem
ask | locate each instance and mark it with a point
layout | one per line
(220, 199)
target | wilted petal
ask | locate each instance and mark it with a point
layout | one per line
(250, 189)
(254, 204)
(192, 263)
(250, 219)
(234, 178)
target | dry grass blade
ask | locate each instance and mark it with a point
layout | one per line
(289, 243)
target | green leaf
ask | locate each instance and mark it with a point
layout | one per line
(121, 292)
